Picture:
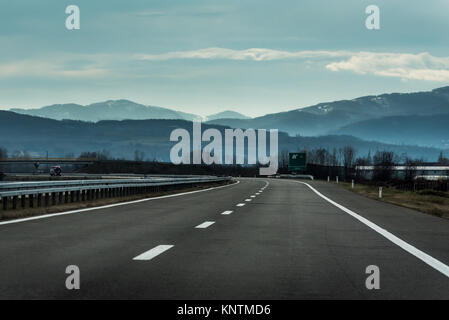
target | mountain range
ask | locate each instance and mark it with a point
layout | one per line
(419, 118)
(59, 138)
(411, 113)
(119, 110)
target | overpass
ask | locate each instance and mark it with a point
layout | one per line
(47, 161)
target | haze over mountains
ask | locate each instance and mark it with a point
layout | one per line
(413, 114)
(120, 139)
(420, 119)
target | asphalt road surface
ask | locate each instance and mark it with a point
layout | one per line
(288, 242)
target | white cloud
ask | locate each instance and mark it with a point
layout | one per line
(57, 67)
(422, 66)
(406, 66)
(256, 54)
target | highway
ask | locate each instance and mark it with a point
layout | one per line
(257, 239)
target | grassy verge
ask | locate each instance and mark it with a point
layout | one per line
(427, 201)
(29, 212)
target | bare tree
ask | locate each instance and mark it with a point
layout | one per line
(3, 153)
(321, 155)
(442, 159)
(139, 155)
(348, 160)
(100, 155)
(333, 158)
(348, 156)
(88, 155)
(411, 167)
(283, 163)
(104, 155)
(383, 165)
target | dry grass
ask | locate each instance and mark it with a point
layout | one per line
(29, 212)
(427, 201)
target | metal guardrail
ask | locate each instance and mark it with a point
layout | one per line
(296, 176)
(89, 189)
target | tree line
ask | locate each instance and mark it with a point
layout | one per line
(343, 162)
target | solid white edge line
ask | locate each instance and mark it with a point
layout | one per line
(111, 205)
(227, 212)
(205, 225)
(431, 261)
(152, 253)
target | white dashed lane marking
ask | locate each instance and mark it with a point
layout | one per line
(205, 225)
(150, 254)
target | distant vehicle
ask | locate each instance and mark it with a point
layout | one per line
(56, 171)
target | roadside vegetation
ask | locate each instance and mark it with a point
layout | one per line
(428, 201)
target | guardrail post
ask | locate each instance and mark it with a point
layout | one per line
(77, 196)
(14, 202)
(83, 195)
(66, 197)
(47, 199)
(60, 197)
(72, 196)
(22, 201)
(39, 200)
(5, 203)
(31, 198)
(53, 198)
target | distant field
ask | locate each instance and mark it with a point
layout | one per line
(427, 201)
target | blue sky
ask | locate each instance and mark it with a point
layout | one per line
(254, 57)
